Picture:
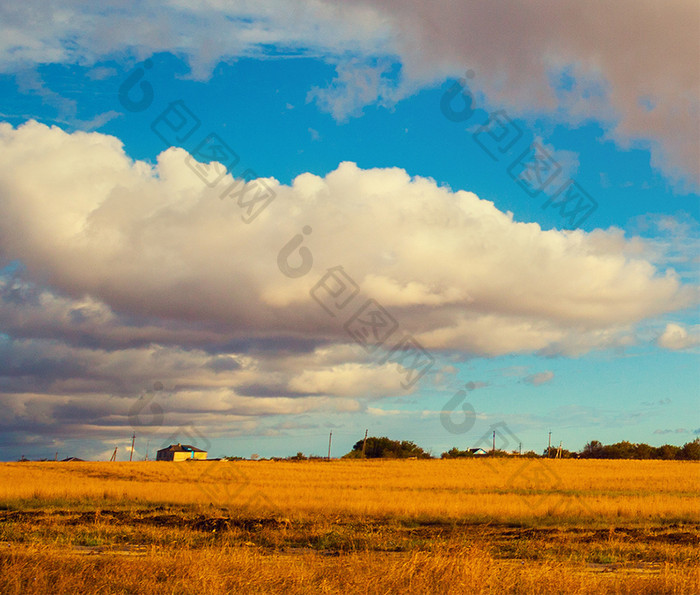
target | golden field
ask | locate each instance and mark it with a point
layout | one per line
(380, 526)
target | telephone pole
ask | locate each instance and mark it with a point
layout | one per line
(133, 439)
(549, 445)
(114, 455)
(364, 444)
(330, 437)
(493, 447)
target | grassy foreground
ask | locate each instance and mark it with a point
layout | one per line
(452, 526)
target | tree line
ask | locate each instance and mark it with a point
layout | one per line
(385, 448)
(690, 451)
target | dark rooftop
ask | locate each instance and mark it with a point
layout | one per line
(181, 448)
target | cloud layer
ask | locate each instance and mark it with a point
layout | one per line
(453, 269)
(136, 273)
(633, 65)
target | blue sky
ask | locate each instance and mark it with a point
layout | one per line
(122, 270)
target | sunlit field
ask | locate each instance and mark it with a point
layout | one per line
(435, 526)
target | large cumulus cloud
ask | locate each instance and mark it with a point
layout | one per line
(133, 273)
(456, 272)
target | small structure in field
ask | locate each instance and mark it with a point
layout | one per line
(181, 452)
(477, 452)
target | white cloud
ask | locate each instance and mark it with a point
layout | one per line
(633, 65)
(359, 84)
(451, 268)
(676, 337)
(675, 239)
(388, 412)
(350, 379)
(137, 273)
(206, 32)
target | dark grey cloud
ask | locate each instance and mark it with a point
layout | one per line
(633, 65)
(268, 390)
(223, 364)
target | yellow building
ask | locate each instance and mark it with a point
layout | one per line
(181, 452)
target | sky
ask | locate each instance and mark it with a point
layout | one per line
(246, 225)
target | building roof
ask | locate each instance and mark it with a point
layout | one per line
(181, 448)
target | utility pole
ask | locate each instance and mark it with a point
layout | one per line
(114, 455)
(148, 442)
(549, 445)
(364, 444)
(133, 439)
(559, 451)
(493, 447)
(520, 448)
(55, 457)
(330, 437)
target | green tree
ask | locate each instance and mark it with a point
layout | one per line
(667, 452)
(643, 451)
(385, 448)
(592, 450)
(455, 453)
(690, 451)
(620, 450)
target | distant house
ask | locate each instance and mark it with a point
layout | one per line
(71, 460)
(181, 452)
(477, 452)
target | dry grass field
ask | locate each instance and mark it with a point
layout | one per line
(437, 526)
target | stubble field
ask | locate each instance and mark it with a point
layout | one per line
(457, 526)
